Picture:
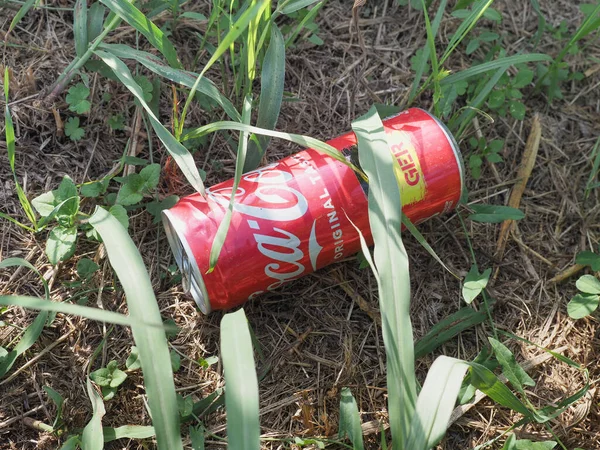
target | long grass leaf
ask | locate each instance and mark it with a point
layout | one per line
(9, 133)
(595, 157)
(436, 402)
(271, 96)
(134, 17)
(541, 22)
(80, 30)
(234, 32)
(24, 9)
(435, 67)
(128, 431)
(221, 234)
(307, 18)
(350, 420)
(241, 401)
(95, 20)
(76, 310)
(465, 27)
(92, 437)
(426, 52)
(180, 76)
(467, 115)
(305, 141)
(32, 333)
(448, 328)
(151, 342)
(288, 7)
(493, 65)
(20, 262)
(180, 154)
(391, 260)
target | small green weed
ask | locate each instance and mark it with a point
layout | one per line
(109, 378)
(587, 300)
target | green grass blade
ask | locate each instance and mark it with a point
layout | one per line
(197, 437)
(95, 21)
(541, 22)
(310, 16)
(71, 443)
(24, 9)
(16, 222)
(291, 6)
(241, 401)
(435, 67)
(436, 402)
(465, 28)
(513, 372)
(391, 260)
(20, 262)
(32, 333)
(180, 154)
(584, 29)
(488, 383)
(80, 25)
(128, 432)
(235, 31)
(92, 437)
(350, 420)
(422, 64)
(447, 329)
(305, 141)
(137, 20)
(493, 65)
(180, 76)
(595, 157)
(467, 115)
(219, 240)
(271, 96)
(69, 308)
(9, 133)
(151, 342)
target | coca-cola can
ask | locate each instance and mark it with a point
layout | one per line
(293, 217)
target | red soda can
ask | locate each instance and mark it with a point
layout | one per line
(290, 218)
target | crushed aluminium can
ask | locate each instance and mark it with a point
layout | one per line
(291, 217)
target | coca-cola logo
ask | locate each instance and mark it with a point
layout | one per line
(275, 201)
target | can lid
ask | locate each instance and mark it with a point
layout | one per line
(455, 148)
(192, 280)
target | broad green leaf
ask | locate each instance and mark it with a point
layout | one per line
(156, 207)
(291, 6)
(475, 282)
(120, 213)
(305, 141)
(271, 95)
(102, 377)
(436, 402)
(92, 437)
(197, 437)
(61, 243)
(185, 405)
(241, 401)
(71, 443)
(132, 191)
(221, 234)
(526, 444)
(175, 361)
(95, 20)
(349, 425)
(496, 99)
(182, 157)
(133, 360)
(86, 268)
(80, 27)
(77, 98)
(150, 341)
(582, 305)
(524, 77)
(150, 174)
(588, 284)
(511, 369)
(93, 189)
(517, 110)
(488, 383)
(495, 213)
(588, 258)
(134, 17)
(127, 432)
(185, 78)
(391, 261)
(73, 130)
(493, 65)
(448, 328)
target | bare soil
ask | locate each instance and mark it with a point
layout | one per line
(320, 333)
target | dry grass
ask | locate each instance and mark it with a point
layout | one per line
(315, 337)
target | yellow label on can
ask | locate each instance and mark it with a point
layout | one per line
(408, 170)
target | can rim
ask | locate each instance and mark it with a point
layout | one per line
(192, 280)
(455, 149)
